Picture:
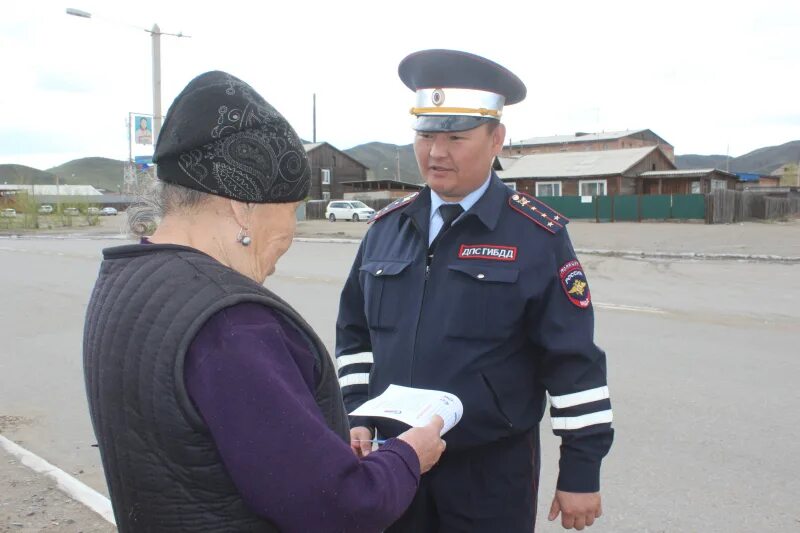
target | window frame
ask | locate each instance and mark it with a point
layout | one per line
(560, 187)
(598, 182)
(325, 174)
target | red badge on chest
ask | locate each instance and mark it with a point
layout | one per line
(488, 251)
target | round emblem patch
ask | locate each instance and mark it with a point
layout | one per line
(573, 280)
(437, 97)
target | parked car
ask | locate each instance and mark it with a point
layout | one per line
(108, 211)
(93, 211)
(348, 210)
(8, 213)
(45, 209)
(71, 211)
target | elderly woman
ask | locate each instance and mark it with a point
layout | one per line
(215, 405)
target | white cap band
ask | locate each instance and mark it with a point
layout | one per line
(463, 102)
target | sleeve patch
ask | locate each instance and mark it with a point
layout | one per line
(573, 280)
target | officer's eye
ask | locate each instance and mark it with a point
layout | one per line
(425, 136)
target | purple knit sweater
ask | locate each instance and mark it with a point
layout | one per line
(251, 375)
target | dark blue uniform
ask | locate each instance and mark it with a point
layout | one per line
(500, 315)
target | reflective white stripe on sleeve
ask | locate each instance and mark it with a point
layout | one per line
(363, 357)
(578, 422)
(578, 398)
(354, 379)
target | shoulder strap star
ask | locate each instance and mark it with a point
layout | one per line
(538, 211)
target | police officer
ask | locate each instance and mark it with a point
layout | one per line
(472, 288)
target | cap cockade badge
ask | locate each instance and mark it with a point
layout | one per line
(437, 97)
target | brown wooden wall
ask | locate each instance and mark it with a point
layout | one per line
(343, 168)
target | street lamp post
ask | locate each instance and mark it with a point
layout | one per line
(155, 34)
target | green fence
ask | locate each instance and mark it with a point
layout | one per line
(630, 207)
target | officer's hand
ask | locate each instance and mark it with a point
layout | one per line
(426, 442)
(361, 441)
(577, 509)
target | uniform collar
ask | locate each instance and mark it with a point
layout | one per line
(487, 208)
(466, 203)
(490, 205)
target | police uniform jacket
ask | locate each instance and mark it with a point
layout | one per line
(499, 316)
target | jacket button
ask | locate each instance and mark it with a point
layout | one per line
(379, 272)
(480, 276)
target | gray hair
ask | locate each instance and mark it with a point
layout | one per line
(158, 200)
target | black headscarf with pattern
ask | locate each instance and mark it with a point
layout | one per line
(221, 137)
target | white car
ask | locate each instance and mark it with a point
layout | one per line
(45, 209)
(348, 210)
(8, 213)
(93, 211)
(108, 211)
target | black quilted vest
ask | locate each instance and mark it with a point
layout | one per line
(161, 464)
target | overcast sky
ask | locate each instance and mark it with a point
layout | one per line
(706, 76)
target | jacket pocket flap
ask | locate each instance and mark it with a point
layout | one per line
(384, 268)
(487, 273)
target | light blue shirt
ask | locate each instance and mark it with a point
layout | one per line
(468, 201)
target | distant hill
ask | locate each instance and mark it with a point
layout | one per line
(22, 175)
(381, 158)
(100, 172)
(761, 161)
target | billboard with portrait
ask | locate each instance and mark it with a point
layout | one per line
(142, 129)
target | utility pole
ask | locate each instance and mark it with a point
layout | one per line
(397, 160)
(314, 138)
(155, 34)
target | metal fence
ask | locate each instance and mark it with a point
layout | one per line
(633, 208)
(719, 207)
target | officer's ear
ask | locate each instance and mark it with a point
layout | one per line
(498, 138)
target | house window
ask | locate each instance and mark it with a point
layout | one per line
(548, 188)
(512, 185)
(326, 195)
(592, 187)
(326, 176)
(718, 184)
(696, 187)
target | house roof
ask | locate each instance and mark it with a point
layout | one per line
(572, 164)
(313, 146)
(581, 137)
(688, 173)
(53, 190)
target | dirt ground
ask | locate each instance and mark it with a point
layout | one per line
(31, 502)
(751, 238)
(748, 238)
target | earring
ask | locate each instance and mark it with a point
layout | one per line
(243, 238)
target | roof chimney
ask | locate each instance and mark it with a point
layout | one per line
(580, 133)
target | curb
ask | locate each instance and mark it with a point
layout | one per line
(761, 258)
(67, 484)
(690, 255)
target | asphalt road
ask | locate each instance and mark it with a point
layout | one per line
(703, 361)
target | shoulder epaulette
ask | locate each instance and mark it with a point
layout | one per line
(397, 204)
(538, 211)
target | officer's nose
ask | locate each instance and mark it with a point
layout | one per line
(439, 146)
